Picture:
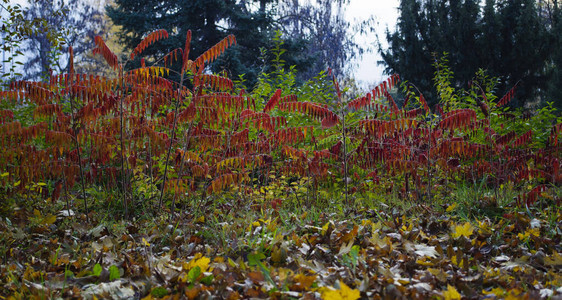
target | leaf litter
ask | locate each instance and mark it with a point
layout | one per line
(391, 256)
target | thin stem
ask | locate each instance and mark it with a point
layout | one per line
(77, 146)
(171, 139)
(123, 183)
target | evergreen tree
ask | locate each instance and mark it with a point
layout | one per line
(554, 68)
(506, 37)
(524, 46)
(320, 39)
(209, 21)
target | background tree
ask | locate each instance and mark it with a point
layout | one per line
(77, 25)
(552, 13)
(15, 28)
(319, 39)
(507, 38)
(209, 20)
(322, 24)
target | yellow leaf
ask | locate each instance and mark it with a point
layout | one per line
(498, 292)
(534, 231)
(183, 277)
(554, 260)
(463, 230)
(344, 293)
(451, 293)
(438, 273)
(144, 242)
(451, 207)
(279, 254)
(198, 261)
(201, 219)
(49, 219)
(327, 226)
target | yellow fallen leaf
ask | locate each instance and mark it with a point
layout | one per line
(451, 207)
(451, 293)
(327, 226)
(183, 277)
(198, 261)
(49, 219)
(497, 292)
(465, 230)
(279, 254)
(344, 293)
(554, 259)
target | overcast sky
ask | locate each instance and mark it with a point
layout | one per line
(385, 13)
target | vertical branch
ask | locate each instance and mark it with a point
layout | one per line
(74, 131)
(185, 66)
(173, 136)
(121, 127)
(429, 183)
(345, 171)
(186, 146)
(343, 133)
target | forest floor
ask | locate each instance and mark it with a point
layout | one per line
(421, 251)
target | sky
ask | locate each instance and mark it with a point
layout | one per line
(385, 12)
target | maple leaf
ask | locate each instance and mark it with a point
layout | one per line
(465, 230)
(451, 293)
(344, 293)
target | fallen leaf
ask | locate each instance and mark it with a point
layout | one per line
(344, 293)
(451, 293)
(554, 260)
(198, 261)
(424, 250)
(465, 230)
(303, 282)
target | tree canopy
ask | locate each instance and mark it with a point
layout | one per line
(512, 40)
(75, 21)
(254, 24)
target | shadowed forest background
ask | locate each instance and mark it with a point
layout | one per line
(514, 41)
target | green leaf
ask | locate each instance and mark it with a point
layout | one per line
(255, 258)
(159, 292)
(207, 280)
(97, 270)
(354, 253)
(114, 273)
(194, 273)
